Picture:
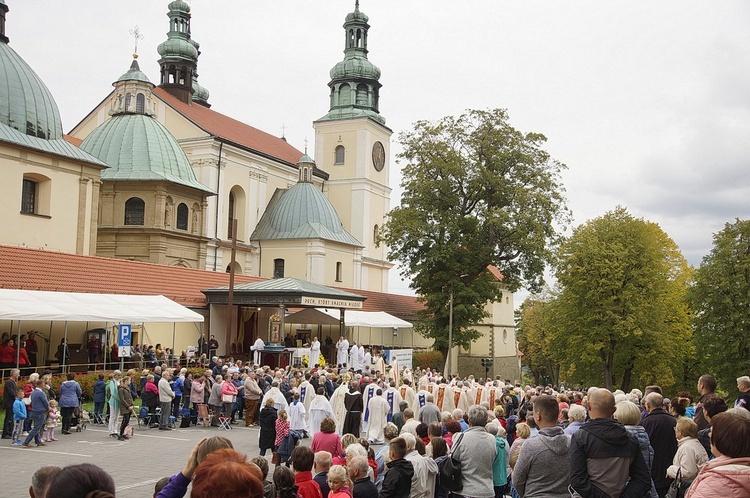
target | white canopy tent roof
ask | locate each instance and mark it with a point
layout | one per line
(83, 307)
(374, 319)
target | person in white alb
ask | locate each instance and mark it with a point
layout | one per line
(314, 352)
(257, 348)
(353, 354)
(320, 408)
(342, 348)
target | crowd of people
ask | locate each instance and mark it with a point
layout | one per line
(379, 431)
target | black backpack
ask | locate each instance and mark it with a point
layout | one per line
(449, 472)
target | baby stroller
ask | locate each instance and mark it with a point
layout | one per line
(80, 418)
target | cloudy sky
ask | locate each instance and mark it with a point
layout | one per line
(647, 103)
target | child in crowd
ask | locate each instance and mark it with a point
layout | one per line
(282, 431)
(269, 491)
(338, 480)
(19, 416)
(52, 416)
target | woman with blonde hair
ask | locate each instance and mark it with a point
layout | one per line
(629, 415)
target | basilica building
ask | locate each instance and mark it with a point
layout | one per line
(143, 195)
(181, 172)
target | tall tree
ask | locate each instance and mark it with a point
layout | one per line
(623, 315)
(721, 299)
(477, 192)
(534, 329)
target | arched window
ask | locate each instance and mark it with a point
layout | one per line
(183, 213)
(135, 210)
(278, 268)
(36, 192)
(231, 215)
(140, 103)
(375, 235)
(340, 154)
(362, 97)
(345, 95)
(339, 271)
(28, 196)
(128, 98)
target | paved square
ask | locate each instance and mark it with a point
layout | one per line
(136, 465)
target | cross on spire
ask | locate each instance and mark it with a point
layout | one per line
(283, 130)
(305, 145)
(356, 5)
(137, 35)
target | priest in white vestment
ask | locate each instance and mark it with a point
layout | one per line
(367, 395)
(306, 392)
(337, 404)
(342, 348)
(444, 398)
(393, 398)
(422, 398)
(353, 353)
(407, 394)
(378, 408)
(279, 401)
(257, 348)
(361, 358)
(297, 416)
(314, 353)
(320, 408)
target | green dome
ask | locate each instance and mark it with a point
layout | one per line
(134, 74)
(302, 212)
(138, 147)
(179, 5)
(177, 46)
(357, 16)
(200, 94)
(355, 67)
(26, 103)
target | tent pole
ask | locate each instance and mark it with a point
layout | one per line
(174, 324)
(18, 344)
(65, 347)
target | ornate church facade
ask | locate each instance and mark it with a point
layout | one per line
(155, 208)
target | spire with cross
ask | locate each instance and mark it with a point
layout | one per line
(137, 35)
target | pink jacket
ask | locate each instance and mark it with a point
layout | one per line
(722, 477)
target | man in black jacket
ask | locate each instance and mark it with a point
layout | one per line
(397, 481)
(604, 459)
(9, 397)
(659, 426)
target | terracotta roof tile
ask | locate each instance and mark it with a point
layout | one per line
(495, 271)
(72, 140)
(230, 129)
(36, 269)
(404, 307)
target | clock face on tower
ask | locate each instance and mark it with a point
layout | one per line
(378, 156)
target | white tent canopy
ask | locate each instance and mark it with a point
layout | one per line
(82, 307)
(374, 319)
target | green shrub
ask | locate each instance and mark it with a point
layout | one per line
(430, 358)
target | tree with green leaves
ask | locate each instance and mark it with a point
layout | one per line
(536, 338)
(622, 313)
(721, 299)
(477, 193)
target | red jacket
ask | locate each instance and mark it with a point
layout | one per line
(306, 487)
(7, 354)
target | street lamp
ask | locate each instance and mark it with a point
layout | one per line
(446, 373)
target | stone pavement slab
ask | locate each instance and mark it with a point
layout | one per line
(136, 465)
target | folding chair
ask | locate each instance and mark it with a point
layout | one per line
(225, 423)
